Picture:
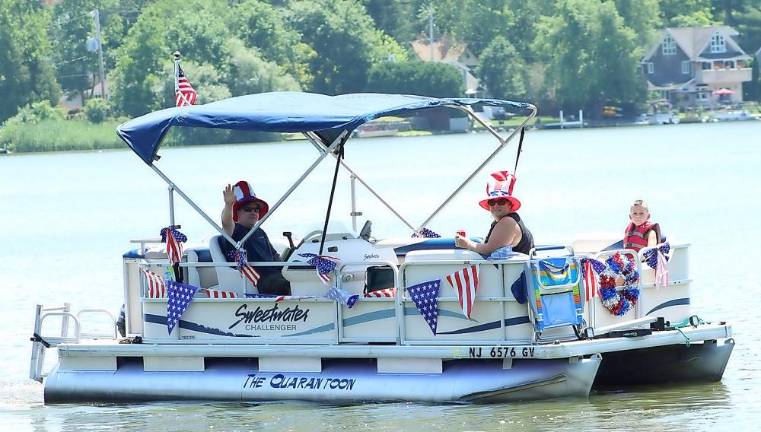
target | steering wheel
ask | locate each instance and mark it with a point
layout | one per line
(367, 228)
(309, 237)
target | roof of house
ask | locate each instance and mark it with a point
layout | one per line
(693, 40)
(444, 50)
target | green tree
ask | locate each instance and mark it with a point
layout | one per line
(413, 77)
(592, 57)
(71, 27)
(250, 73)
(476, 22)
(345, 40)
(264, 27)
(643, 17)
(501, 69)
(200, 36)
(395, 18)
(686, 13)
(26, 72)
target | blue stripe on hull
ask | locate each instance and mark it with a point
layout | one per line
(676, 302)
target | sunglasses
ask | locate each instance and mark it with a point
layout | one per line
(249, 209)
(498, 201)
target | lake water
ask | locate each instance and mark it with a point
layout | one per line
(65, 220)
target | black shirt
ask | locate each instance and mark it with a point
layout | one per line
(258, 248)
(527, 239)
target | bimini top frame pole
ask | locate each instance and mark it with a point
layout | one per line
(502, 143)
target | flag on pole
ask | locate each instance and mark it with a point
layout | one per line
(590, 268)
(425, 296)
(590, 280)
(465, 283)
(179, 297)
(155, 284)
(173, 240)
(324, 265)
(186, 94)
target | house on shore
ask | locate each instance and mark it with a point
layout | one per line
(697, 66)
(457, 54)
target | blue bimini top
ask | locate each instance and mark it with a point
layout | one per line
(327, 116)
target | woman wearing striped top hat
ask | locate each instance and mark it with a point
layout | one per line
(507, 230)
(241, 212)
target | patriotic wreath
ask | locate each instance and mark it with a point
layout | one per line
(619, 302)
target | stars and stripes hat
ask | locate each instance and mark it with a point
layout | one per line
(244, 194)
(500, 186)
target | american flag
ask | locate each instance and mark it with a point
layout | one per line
(324, 265)
(465, 282)
(590, 268)
(173, 240)
(387, 292)
(155, 284)
(179, 297)
(245, 269)
(425, 296)
(342, 296)
(425, 233)
(186, 94)
(661, 271)
(213, 293)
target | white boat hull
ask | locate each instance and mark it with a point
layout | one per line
(341, 381)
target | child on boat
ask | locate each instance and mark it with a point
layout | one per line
(641, 232)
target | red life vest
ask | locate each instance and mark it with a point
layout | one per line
(635, 237)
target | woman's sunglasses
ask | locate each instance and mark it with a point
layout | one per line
(498, 201)
(249, 209)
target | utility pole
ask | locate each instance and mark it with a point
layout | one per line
(96, 16)
(430, 29)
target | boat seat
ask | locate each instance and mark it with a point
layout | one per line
(228, 277)
(428, 244)
(202, 277)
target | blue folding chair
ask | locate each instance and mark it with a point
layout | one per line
(554, 291)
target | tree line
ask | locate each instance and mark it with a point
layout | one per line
(557, 53)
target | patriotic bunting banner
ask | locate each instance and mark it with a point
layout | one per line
(324, 265)
(425, 233)
(179, 297)
(213, 293)
(425, 296)
(156, 288)
(388, 292)
(342, 296)
(246, 270)
(465, 284)
(278, 298)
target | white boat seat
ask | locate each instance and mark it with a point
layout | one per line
(202, 277)
(228, 277)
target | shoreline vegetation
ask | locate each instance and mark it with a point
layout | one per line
(55, 135)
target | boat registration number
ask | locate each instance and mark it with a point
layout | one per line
(501, 352)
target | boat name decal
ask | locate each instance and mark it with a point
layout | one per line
(281, 381)
(371, 256)
(273, 314)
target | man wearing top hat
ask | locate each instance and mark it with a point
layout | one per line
(241, 212)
